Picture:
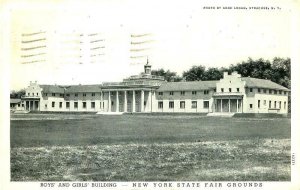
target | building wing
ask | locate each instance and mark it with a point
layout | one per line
(187, 86)
(262, 83)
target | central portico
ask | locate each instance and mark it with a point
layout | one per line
(134, 94)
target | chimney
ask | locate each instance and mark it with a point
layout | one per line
(225, 74)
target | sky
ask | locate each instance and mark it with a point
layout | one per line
(182, 35)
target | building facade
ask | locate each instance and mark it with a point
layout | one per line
(149, 93)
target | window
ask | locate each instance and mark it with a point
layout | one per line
(265, 102)
(284, 105)
(280, 92)
(229, 89)
(83, 104)
(67, 95)
(160, 93)
(265, 91)
(215, 90)
(194, 92)
(60, 104)
(46, 94)
(100, 105)
(93, 94)
(284, 92)
(206, 91)
(238, 89)
(76, 95)
(258, 90)
(92, 104)
(270, 91)
(251, 89)
(194, 104)
(258, 103)
(53, 94)
(75, 104)
(171, 93)
(67, 104)
(250, 106)
(53, 104)
(275, 104)
(84, 94)
(46, 106)
(28, 94)
(160, 105)
(270, 104)
(205, 104)
(222, 89)
(182, 93)
(171, 104)
(37, 94)
(279, 104)
(32, 94)
(61, 95)
(182, 104)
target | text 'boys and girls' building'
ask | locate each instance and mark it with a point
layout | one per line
(149, 93)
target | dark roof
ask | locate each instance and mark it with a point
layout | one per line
(15, 101)
(83, 88)
(70, 89)
(262, 83)
(52, 89)
(187, 86)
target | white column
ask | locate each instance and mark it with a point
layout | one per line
(25, 108)
(101, 100)
(125, 101)
(237, 105)
(148, 104)
(142, 100)
(109, 103)
(229, 105)
(117, 101)
(133, 101)
(221, 105)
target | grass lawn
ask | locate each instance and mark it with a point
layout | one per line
(57, 147)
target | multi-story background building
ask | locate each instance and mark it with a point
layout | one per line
(149, 93)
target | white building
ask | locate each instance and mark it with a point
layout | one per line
(149, 93)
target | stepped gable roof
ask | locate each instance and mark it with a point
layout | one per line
(262, 83)
(187, 86)
(15, 100)
(52, 89)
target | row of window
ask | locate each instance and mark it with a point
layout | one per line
(28, 94)
(182, 93)
(67, 95)
(75, 105)
(230, 89)
(182, 104)
(276, 104)
(270, 91)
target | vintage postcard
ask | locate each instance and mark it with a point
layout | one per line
(143, 94)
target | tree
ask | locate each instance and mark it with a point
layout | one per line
(17, 94)
(213, 73)
(168, 75)
(196, 73)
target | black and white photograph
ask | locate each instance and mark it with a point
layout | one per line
(149, 94)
